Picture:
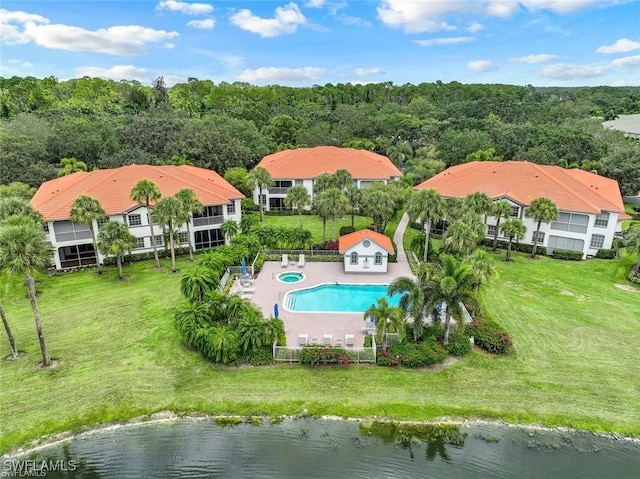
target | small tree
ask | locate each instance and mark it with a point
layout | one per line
(147, 192)
(541, 210)
(426, 207)
(229, 229)
(354, 198)
(115, 239)
(169, 212)
(514, 229)
(85, 210)
(71, 165)
(500, 209)
(387, 318)
(190, 205)
(298, 197)
(261, 180)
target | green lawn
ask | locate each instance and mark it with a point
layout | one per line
(577, 340)
(314, 224)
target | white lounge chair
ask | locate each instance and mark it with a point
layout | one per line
(328, 339)
(285, 260)
(349, 340)
(301, 261)
(303, 339)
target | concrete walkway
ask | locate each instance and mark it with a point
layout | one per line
(399, 235)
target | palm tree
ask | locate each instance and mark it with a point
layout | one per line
(413, 299)
(274, 332)
(170, 213)
(116, 239)
(541, 210)
(71, 165)
(251, 329)
(261, 179)
(229, 228)
(15, 206)
(427, 207)
(400, 153)
(197, 282)
(191, 319)
(453, 286)
(483, 267)
(388, 319)
(12, 342)
(342, 178)
(632, 243)
(513, 228)
(479, 203)
(335, 203)
(323, 210)
(24, 250)
(354, 198)
(301, 238)
(500, 209)
(146, 192)
(85, 210)
(190, 204)
(460, 239)
(380, 205)
(224, 343)
(298, 197)
(323, 183)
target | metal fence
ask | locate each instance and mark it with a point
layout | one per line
(224, 279)
(287, 354)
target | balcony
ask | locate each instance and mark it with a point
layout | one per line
(73, 236)
(282, 190)
(208, 220)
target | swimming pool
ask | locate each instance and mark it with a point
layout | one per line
(337, 298)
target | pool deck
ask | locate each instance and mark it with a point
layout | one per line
(269, 291)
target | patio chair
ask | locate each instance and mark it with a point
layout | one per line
(349, 340)
(303, 339)
(285, 260)
(301, 261)
(328, 339)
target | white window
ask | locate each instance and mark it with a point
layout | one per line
(139, 242)
(183, 238)
(45, 227)
(515, 211)
(597, 241)
(263, 200)
(602, 220)
(354, 258)
(231, 208)
(134, 220)
(560, 242)
(102, 223)
(491, 230)
(378, 259)
(572, 222)
(159, 240)
(539, 235)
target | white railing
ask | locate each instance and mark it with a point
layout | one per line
(224, 280)
(288, 354)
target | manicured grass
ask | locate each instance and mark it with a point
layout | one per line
(577, 340)
(314, 224)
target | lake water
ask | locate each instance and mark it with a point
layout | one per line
(319, 448)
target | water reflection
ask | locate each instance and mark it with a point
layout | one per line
(323, 448)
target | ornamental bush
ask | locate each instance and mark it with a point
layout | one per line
(567, 254)
(345, 230)
(330, 245)
(490, 336)
(459, 344)
(413, 355)
(316, 355)
(606, 254)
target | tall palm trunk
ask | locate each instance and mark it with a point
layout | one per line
(189, 241)
(12, 342)
(447, 327)
(353, 215)
(95, 248)
(333, 228)
(119, 263)
(260, 202)
(427, 230)
(324, 230)
(31, 288)
(172, 248)
(153, 238)
(535, 240)
(495, 236)
(509, 250)
(300, 215)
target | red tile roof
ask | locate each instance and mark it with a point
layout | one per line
(349, 240)
(570, 189)
(308, 163)
(112, 187)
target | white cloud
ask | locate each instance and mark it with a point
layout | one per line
(539, 58)
(626, 62)
(475, 27)
(562, 71)
(184, 7)
(443, 41)
(348, 20)
(561, 6)
(286, 21)
(315, 3)
(621, 46)
(480, 66)
(116, 72)
(290, 75)
(365, 72)
(118, 40)
(626, 83)
(416, 17)
(502, 8)
(206, 24)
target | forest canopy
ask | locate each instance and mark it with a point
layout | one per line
(423, 128)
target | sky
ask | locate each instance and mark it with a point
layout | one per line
(307, 42)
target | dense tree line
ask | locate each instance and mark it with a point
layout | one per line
(422, 128)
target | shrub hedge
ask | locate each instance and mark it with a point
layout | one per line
(607, 254)
(521, 247)
(316, 355)
(345, 230)
(130, 258)
(413, 355)
(566, 254)
(459, 344)
(490, 336)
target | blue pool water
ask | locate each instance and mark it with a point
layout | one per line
(351, 298)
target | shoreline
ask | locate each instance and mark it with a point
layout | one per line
(170, 416)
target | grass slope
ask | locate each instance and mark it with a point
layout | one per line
(577, 339)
